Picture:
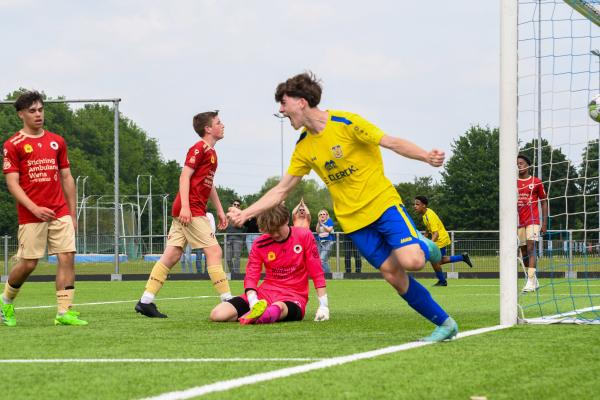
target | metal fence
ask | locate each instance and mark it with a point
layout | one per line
(137, 255)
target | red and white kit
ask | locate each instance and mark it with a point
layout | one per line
(531, 191)
(202, 158)
(38, 162)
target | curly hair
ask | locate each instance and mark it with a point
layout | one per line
(27, 99)
(306, 86)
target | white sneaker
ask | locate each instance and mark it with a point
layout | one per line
(531, 286)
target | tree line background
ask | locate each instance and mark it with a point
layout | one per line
(466, 197)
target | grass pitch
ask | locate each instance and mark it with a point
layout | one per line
(525, 362)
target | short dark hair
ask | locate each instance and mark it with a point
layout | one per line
(271, 220)
(202, 120)
(306, 86)
(25, 100)
(524, 158)
(422, 199)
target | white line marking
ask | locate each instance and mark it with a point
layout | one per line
(151, 360)
(101, 303)
(285, 372)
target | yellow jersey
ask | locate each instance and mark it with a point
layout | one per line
(347, 157)
(433, 223)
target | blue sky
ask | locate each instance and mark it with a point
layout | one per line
(422, 72)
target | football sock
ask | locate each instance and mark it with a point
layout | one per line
(271, 315)
(457, 258)
(147, 298)
(530, 273)
(157, 279)
(421, 301)
(219, 280)
(440, 275)
(10, 293)
(64, 299)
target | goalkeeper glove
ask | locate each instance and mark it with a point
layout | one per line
(323, 310)
(252, 298)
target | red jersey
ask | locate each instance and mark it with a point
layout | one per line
(202, 158)
(288, 265)
(531, 191)
(38, 161)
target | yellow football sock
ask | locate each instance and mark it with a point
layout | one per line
(10, 293)
(218, 278)
(531, 273)
(157, 278)
(64, 300)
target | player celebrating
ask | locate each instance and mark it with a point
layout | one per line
(531, 192)
(190, 224)
(290, 256)
(438, 234)
(38, 175)
(343, 149)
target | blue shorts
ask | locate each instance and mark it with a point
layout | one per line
(393, 230)
(443, 251)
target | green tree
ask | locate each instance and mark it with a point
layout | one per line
(470, 181)
(89, 133)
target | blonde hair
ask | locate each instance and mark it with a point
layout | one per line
(323, 211)
(271, 220)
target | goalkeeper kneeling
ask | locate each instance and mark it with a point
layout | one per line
(289, 256)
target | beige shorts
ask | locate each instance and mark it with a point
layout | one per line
(58, 234)
(197, 233)
(529, 232)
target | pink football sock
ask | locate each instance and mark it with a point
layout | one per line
(271, 314)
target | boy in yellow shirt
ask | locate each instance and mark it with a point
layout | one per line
(438, 234)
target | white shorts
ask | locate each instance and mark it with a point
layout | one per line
(58, 235)
(529, 232)
(198, 233)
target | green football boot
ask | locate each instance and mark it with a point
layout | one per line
(255, 312)
(447, 331)
(7, 313)
(69, 318)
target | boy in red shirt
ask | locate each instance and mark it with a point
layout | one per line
(531, 193)
(38, 175)
(190, 223)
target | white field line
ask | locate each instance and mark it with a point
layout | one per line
(285, 372)
(101, 303)
(152, 360)
(564, 318)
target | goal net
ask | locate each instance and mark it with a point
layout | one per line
(558, 74)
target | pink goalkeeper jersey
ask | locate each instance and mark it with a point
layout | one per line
(288, 264)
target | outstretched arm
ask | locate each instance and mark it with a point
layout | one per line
(269, 200)
(408, 149)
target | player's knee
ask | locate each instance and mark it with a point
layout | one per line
(217, 314)
(29, 265)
